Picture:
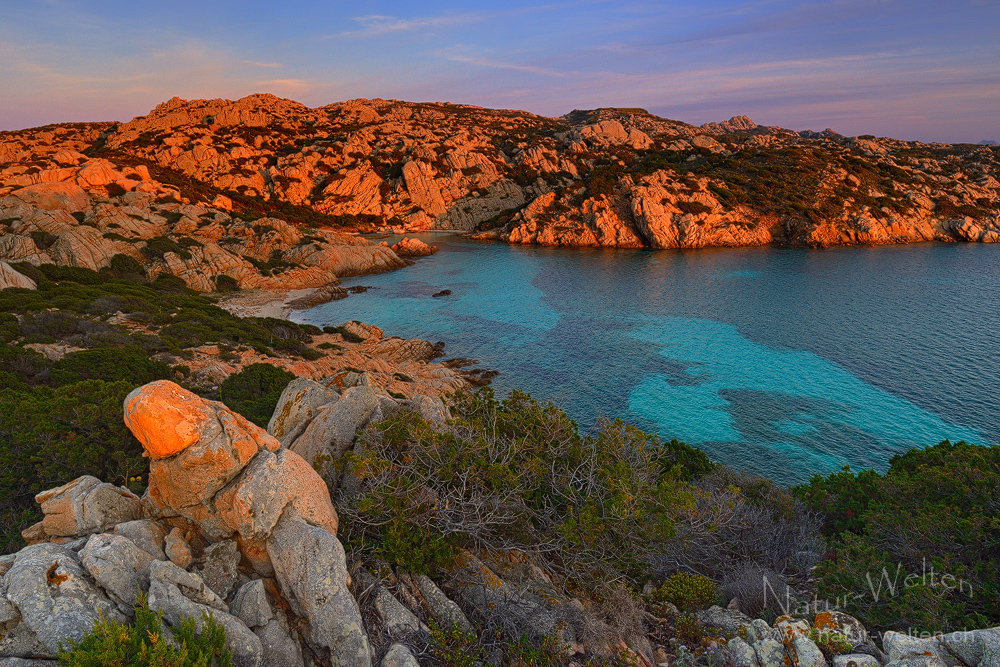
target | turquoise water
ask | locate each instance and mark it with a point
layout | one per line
(787, 362)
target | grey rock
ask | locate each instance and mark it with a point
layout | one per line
(399, 656)
(54, 595)
(964, 646)
(898, 646)
(176, 606)
(219, 567)
(990, 642)
(742, 653)
(280, 650)
(311, 568)
(250, 604)
(388, 405)
(976, 648)
(770, 653)
(298, 405)
(188, 583)
(444, 610)
(848, 626)
(805, 653)
(119, 567)
(19, 641)
(146, 534)
(723, 619)
(9, 615)
(332, 431)
(398, 620)
(916, 661)
(759, 630)
(855, 660)
(537, 616)
(430, 408)
(86, 505)
(22, 662)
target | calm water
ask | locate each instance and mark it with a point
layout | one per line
(786, 362)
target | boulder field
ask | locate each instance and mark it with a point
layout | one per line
(237, 522)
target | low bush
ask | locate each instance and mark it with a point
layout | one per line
(53, 436)
(686, 591)
(255, 390)
(128, 364)
(515, 473)
(917, 547)
(144, 644)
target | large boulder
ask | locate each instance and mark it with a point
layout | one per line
(898, 647)
(195, 446)
(224, 474)
(431, 408)
(280, 650)
(85, 506)
(250, 604)
(974, 647)
(12, 278)
(55, 196)
(119, 567)
(311, 568)
(273, 483)
(399, 655)
(332, 432)
(743, 654)
(54, 595)
(298, 405)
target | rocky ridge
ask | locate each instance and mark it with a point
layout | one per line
(60, 206)
(236, 523)
(605, 177)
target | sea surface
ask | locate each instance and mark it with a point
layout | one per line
(785, 362)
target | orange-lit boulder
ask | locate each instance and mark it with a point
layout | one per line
(220, 471)
(196, 446)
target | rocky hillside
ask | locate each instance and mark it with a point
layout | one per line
(608, 177)
(61, 206)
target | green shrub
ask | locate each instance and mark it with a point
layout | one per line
(686, 591)
(53, 436)
(514, 473)
(123, 265)
(936, 510)
(348, 336)
(129, 364)
(453, 648)
(224, 283)
(254, 391)
(143, 644)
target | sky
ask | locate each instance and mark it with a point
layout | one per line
(910, 69)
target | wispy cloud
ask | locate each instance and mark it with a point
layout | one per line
(498, 64)
(378, 24)
(254, 63)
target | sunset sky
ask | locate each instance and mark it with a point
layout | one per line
(911, 69)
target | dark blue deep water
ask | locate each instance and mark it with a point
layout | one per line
(786, 362)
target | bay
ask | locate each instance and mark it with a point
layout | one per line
(783, 361)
